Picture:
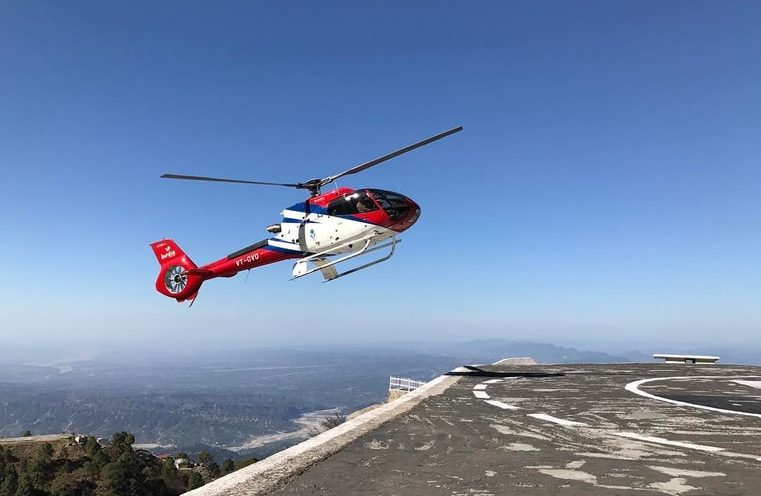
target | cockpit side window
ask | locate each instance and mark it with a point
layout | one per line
(356, 203)
(394, 204)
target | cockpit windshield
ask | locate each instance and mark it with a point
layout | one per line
(394, 204)
(356, 203)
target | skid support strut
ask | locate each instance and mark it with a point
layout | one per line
(328, 268)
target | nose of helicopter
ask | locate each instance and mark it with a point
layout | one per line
(413, 214)
(401, 211)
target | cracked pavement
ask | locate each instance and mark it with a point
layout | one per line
(562, 430)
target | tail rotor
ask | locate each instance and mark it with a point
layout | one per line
(175, 279)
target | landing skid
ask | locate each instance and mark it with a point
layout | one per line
(328, 267)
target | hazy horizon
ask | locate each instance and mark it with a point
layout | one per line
(135, 353)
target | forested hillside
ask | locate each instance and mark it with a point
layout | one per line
(89, 469)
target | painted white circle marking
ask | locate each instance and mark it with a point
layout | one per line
(633, 387)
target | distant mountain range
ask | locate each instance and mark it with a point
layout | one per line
(221, 400)
(491, 350)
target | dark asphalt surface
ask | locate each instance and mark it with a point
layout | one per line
(724, 394)
(562, 430)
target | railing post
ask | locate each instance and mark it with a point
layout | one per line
(404, 383)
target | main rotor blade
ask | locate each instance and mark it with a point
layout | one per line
(222, 180)
(389, 156)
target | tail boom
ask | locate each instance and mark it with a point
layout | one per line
(180, 278)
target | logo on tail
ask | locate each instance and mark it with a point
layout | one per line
(168, 253)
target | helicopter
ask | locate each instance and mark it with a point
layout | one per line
(322, 232)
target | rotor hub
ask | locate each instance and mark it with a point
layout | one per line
(313, 185)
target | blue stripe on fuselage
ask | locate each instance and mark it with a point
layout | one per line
(313, 209)
(289, 220)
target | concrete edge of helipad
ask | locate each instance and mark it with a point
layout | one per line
(265, 476)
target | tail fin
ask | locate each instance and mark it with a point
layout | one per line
(176, 279)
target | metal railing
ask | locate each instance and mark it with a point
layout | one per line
(404, 384)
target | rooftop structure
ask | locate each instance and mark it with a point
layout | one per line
(706, 359)
(536, 430)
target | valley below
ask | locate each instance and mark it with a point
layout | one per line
(234, 404)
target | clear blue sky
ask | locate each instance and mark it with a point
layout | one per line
(606, 186)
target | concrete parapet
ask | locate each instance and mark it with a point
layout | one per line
(265, 476)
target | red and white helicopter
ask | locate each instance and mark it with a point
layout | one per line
(325, 230)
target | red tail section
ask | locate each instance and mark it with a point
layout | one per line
(176, 279)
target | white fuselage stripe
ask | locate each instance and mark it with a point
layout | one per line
(326, 234)
(283, 244)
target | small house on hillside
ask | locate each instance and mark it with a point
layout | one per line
(183, 463)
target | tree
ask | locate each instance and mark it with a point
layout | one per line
(333, 421)
(46, 451)
(228, 466)
(205, 458)
(123, 477)
(64, 486)
(91, 470)
(91, 446)
(10, 484)
(121, 442)
(99, 460)
(25, 486)
(168, 470)
(195, 480)
(122, 439)
(213, 469)
(327, 423)
(41, 466)
(26, 434)
(157, 487)
(245, 463)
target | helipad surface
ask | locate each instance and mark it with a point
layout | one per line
(580, 429)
